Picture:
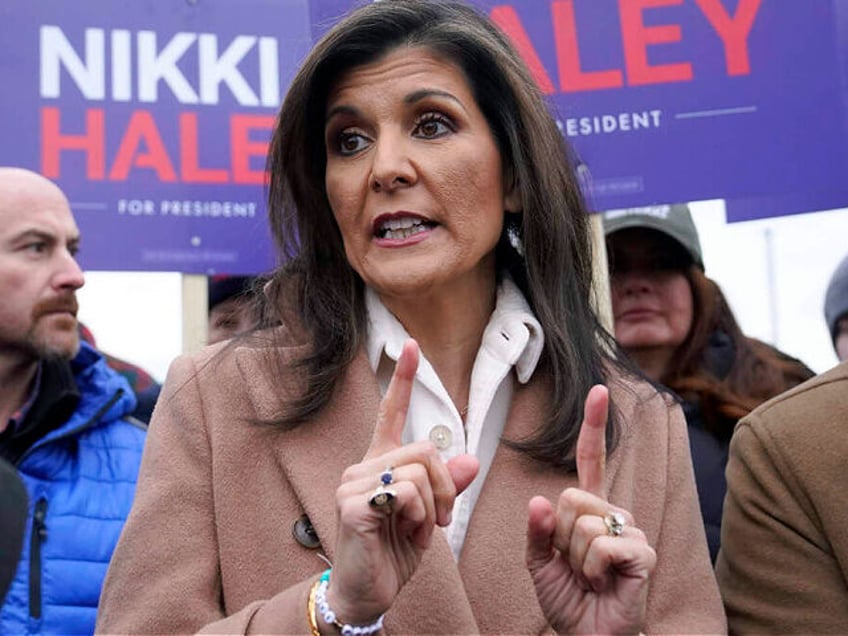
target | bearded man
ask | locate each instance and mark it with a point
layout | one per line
(64, 417)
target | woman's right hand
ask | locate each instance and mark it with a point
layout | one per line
(377, 553)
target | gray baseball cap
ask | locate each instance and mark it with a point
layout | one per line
(672, 220)
(836, 297)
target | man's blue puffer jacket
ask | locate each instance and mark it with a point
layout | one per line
(81, 481)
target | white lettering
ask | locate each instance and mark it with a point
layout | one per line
(655, 115)
(141, 72)
(57, 52)
(610, 123)
(121, 66)
(153, 66)
(269, 72)
(214, 69)
(136, 207)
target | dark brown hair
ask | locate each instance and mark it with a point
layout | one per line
(754, 372)
(556, 274)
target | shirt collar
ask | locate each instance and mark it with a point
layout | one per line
(20, 415)
(512, 320)
(385, 333)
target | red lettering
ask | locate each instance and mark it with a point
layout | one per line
(509, 22)
(91, 143)
(242, 148)
(571, 77)
(142, 147)
(637, 37)
(142, 127)
(189, 168)
(733, 31)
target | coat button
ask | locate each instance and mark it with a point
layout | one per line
(305, 534)
(441, 436)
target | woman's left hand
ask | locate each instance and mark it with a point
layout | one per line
(589, 579)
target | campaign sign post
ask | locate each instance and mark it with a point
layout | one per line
(154, 118)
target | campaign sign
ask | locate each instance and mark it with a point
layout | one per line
(673, 100)
(679, 100)
(154, 118)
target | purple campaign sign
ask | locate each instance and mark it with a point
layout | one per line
(673, 100)
(154, 117)
(682, 100)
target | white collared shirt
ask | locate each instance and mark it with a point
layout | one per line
(512, 338)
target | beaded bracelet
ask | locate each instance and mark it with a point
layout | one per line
(329, 615)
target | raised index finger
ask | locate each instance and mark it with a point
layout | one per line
(392, 415)
(591, 443)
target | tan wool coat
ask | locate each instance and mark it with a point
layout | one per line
(209, 544)
(783, 565)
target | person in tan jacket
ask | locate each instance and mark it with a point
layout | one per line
(783, 563)
(440, 418)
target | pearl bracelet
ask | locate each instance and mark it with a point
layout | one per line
(329, 615)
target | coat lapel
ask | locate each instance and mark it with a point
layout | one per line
(313, 457)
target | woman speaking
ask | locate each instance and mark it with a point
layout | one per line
(436, 438)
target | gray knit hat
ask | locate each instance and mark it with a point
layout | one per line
(836, 297)
(672, 220)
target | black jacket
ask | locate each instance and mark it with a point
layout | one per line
(709, 450)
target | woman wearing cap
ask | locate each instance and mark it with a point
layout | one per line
(675, 323)
(423, 446)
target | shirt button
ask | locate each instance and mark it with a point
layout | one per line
(441, 436)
